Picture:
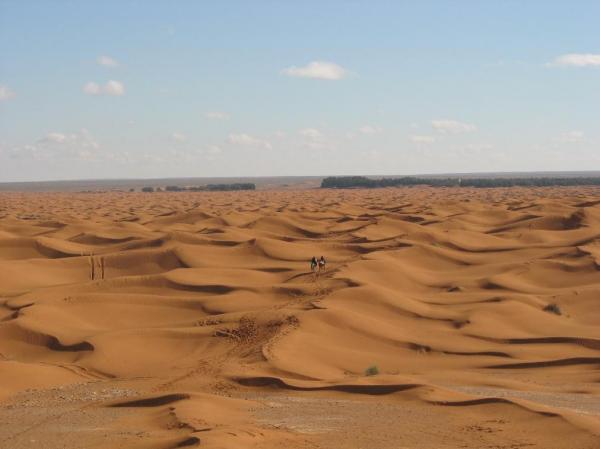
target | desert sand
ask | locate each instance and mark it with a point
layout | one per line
(131, 320)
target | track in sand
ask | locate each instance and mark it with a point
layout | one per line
(192, 319)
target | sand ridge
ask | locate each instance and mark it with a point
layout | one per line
(201, 307)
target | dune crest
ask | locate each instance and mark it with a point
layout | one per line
(193, 319)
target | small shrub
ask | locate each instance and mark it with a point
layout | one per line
(372, 371)
(458, 324)
(147, 189)
(552, 308)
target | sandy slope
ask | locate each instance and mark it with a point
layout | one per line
(185, 319)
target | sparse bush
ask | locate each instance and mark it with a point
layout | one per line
(209, 187)
(147, 189)
(234, 186)
(348, 182)
(458, 324)
(552, 308)
(372, 371)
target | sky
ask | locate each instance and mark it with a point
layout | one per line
(152, 89)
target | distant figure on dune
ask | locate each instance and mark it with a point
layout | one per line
(322, 264)
(313, 264)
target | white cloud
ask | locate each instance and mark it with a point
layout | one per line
(92, 88)
(112, 88)
(23, 152)
(81, 139)
(107, 61)
(315, 139)
(370, 129)
(317, 70)
(422, 139)
(80, 145)
(571, 137)
(577, 60)
(213, 152)
(152, 158)
(248, 140)
(214, 149)
(115, 88)
(217, 115)
(446, 126)
(178, 137)
(6, 93)
(311, 133)
(54, 138)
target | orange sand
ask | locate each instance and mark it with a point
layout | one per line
(192, 319)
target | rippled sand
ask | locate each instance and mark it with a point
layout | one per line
(192, 319)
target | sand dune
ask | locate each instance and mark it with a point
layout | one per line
(192, 319)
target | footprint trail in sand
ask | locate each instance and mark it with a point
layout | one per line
(182, 319)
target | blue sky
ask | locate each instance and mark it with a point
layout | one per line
(141, 89)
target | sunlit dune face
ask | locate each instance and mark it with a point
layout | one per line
(192, 302)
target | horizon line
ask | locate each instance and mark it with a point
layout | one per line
(451, 174)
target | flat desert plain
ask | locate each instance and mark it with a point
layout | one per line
(445, 318)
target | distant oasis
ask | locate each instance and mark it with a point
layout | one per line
(347, 182)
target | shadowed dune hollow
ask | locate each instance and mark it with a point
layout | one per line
(445, 318)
